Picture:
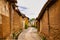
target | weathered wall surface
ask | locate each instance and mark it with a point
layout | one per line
(54, 16)
(1, 31)
(50, 22)
(21, 22)
(5, 26)
(10, 20)
(0, 26)
(44, 28)
(16, 22)
(4, 19)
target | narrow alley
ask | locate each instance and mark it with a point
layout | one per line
(29, 19)
(29, 34)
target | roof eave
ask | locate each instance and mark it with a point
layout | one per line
(48, 4)
(12, 1)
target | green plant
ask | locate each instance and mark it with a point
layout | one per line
(14, 35)
(18, 34)
(43, 38)
(32, 19)
(26, 26)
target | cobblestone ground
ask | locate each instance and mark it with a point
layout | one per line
(29, 34)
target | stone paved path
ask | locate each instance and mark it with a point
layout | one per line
(29, 34)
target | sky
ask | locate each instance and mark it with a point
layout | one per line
(31, 8)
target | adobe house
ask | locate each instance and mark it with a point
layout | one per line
(38, 24)
(16, 22)
(25, 20)
(49, 18)
(33, 22)
(5, 18)
(21, 22)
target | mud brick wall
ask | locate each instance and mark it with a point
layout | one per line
(21, 22)
(44, 29)
(54, 16)
(16, 22)
(0, 26)
(51, 16)
(4, 19)
(0, 20)
(1, 31)
(5, 26)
